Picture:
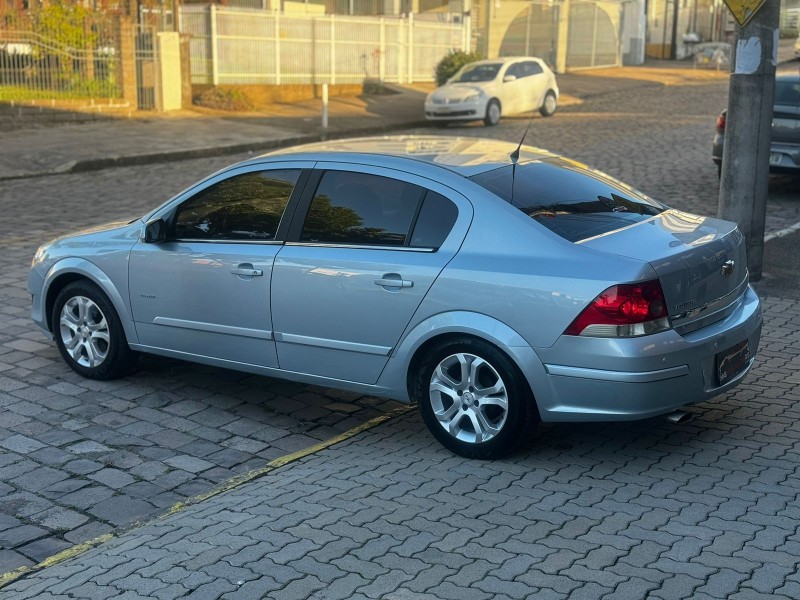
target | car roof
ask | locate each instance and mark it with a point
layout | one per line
(466, 156)
(788, 72)
(503, 60)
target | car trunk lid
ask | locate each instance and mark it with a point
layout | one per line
(700, 261)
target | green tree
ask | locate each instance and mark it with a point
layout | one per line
(452, 62)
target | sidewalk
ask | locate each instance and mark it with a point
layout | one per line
(149, 138)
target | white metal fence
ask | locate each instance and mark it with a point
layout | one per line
(35, 67)
(258, 47)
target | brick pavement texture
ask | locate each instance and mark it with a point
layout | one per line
(706, 510)
(703, 510)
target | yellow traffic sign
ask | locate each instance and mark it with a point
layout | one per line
(743, 10)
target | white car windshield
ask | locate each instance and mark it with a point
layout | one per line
(473, 73)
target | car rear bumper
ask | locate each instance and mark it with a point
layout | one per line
(784, 157)
(612, 379)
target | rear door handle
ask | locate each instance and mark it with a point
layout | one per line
(398, 283)
(247, 272)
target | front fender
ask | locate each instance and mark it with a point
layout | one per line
(394, 376)
(89, 270)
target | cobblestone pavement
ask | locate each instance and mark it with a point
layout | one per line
(653, 510)
(78, 458)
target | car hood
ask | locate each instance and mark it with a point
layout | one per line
(456, 91)
(98, 229)
(698, 260)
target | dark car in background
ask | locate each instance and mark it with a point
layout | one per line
(784, 155)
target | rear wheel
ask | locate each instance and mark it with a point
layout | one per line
(550, 105)
(492, 117)
(89, 334)
(473, 398)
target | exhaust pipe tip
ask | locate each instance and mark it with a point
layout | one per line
(679, 417)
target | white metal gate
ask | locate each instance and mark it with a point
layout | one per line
(259, 47)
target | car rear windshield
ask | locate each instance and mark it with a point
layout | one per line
(571, 201)
(787, 92)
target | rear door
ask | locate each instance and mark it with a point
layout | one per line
(361, 255)
(535, 84)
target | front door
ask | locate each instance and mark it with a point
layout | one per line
(206, 290)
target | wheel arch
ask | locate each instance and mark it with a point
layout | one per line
(409, 353)
(69, 270)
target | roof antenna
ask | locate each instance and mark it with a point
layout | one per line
(514, 156)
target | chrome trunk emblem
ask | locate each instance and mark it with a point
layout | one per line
(727, 268)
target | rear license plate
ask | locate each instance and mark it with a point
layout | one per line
(775, 158)
(732, 361)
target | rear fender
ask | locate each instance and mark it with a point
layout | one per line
(395, 374)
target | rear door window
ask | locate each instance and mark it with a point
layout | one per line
(363, 209)
(570, 200)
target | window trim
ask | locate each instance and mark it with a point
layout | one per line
(451, 243)
(283, 225)
(304, 206)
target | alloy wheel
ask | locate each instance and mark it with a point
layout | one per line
(84, 331)
(469, 398)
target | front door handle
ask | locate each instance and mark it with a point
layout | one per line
(398, 283)
(247, 271)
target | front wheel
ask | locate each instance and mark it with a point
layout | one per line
(550, 105)
(89, 334)
(492, 117)
(473, 399)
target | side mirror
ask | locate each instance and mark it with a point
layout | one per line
(155, 232)
(508, 78)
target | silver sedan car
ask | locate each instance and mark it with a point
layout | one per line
(495, 286)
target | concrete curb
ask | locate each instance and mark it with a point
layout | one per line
(97, 164)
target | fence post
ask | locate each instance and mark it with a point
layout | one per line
(277, 48)
(212, 11)
(410, 48)
(401, 50)
(382, 50)
(126, 34)
(467, 25)
(333, 49)
(324, 105)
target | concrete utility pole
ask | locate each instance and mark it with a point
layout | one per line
(745, 160)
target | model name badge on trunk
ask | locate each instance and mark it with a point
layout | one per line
(683, 306)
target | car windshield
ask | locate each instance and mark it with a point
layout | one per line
(474, 73)
(569, 200)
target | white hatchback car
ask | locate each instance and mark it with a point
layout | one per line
(488, 88)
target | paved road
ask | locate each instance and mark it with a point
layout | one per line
(78, 458)
(626, 511)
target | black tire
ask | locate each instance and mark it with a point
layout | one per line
(493, 112)
(550, 105)
(100, 349)
(513, 427)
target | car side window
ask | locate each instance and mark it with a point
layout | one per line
(436, 218)
(243, 207)
(531, 68)
(514, 70)
(362, 209)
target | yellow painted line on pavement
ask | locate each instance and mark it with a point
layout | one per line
(226, 486)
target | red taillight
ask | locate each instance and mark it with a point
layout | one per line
(624, 310)
(721, 124)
